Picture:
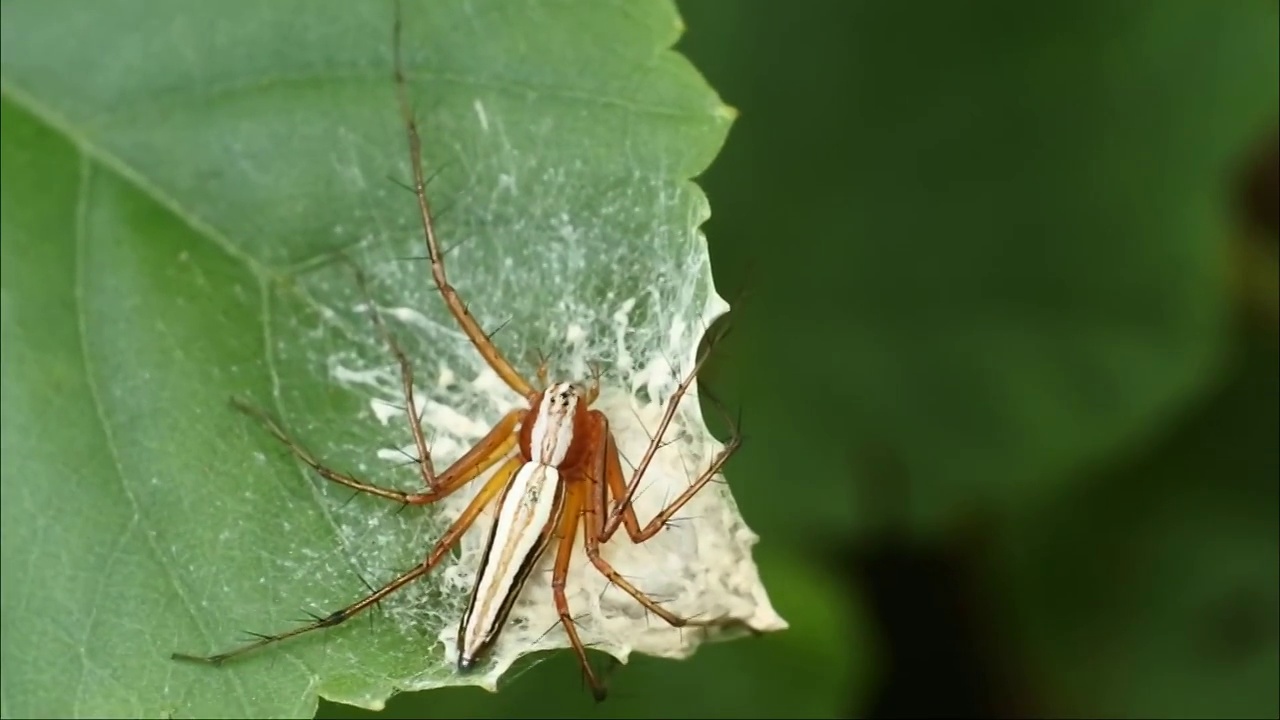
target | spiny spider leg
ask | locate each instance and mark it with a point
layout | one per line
(607, 464)
(490, 352)
(487, 493)
(614, 475)
(575, 506)
(623, 503)
(425, 466)
(493, 447)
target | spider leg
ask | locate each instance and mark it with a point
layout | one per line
(544, 372)
(607, 479)
(575, 505)
(483, 344)
(605, 459)
(626, 511)
(612, 483)
(442, 547)
(673, 403)
(494, 446)
(486, 453)
(593, 390)
(425, 465)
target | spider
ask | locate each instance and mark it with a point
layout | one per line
(558, 468)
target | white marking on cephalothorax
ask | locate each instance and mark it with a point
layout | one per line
(552, 432)
(524, 525)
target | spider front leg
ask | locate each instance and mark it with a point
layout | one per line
(478, 337)
(606, 478)
(493, 447)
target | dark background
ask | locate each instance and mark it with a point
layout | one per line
(1006, 359)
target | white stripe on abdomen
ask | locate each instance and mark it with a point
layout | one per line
(524, 525)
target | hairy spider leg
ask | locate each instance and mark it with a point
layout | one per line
(576, 504)
(494, 446)
(613, 479)
(616, 517)
(479, 338)
(425, 466)
(608, 472)
(450, 537)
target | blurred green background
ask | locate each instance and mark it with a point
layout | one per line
(1006, 355)
(1007, 363)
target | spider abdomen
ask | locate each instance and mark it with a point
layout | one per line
(527, 514)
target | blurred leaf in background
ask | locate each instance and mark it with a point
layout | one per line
(1154, 590)
(986, 237)
(994, 244)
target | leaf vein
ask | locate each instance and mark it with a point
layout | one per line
(99, 407)
(149, 107)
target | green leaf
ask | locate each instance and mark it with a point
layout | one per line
(177, 183)
(986, 240)
(1153, 592)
